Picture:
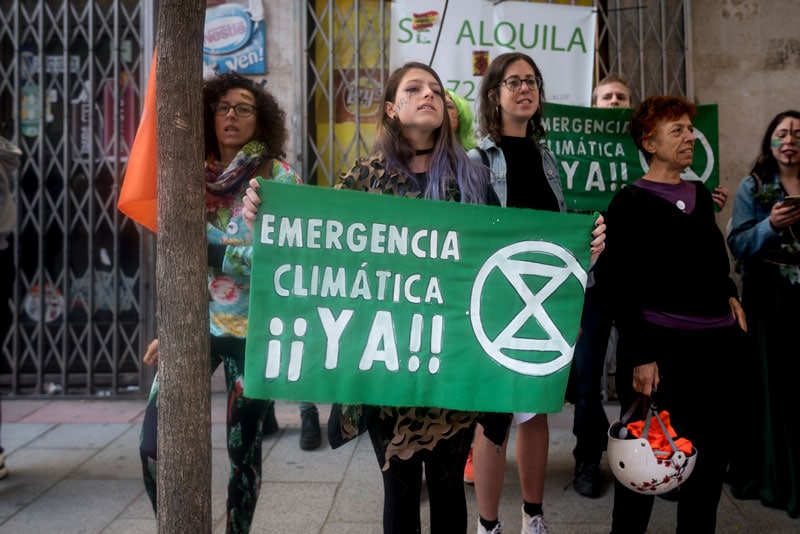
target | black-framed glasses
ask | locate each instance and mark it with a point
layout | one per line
(514, 84)
(241, 110)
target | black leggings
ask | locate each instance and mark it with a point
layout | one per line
(245, 420)
(402, 482)
(700, 378)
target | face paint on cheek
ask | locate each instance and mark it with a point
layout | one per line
(778, 141)
(247, 96)
(401, 104)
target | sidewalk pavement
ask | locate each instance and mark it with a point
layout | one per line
(74, 468)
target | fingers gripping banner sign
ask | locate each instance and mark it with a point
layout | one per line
(373, 299)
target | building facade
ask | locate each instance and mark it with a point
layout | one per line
(72, 81)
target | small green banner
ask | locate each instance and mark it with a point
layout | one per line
(363, 298)
(597, 155)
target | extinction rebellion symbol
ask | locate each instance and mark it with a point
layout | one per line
(514, 264)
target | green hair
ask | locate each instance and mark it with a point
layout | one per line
(464, 133)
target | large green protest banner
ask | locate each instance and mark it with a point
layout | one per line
(597, 155)
(373, 299)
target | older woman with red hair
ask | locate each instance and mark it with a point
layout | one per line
(680, 322)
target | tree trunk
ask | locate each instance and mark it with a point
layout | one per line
(184, 404)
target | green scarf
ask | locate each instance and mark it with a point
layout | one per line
(245, 164)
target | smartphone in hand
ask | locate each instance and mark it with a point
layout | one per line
(791, 201)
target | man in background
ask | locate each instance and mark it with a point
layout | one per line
(612, 91)
(596, 343)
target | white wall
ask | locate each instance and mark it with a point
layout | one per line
(283, 32)
(746, 57)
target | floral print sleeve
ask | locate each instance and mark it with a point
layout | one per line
(282, 172)
(238, 257)
(229, 274)
(238, 260)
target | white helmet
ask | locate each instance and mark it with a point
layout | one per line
(638, 467)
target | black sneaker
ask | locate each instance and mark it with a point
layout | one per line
(310, 434)
(587, 479)
(270, 422)
(3, 468)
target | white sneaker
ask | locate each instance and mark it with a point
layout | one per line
(496, 530)
(533, 525)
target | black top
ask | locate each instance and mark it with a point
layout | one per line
(525, 179)
(661, 259)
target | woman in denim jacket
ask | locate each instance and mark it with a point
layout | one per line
(496, 161)
(764, 241)
(524, 175)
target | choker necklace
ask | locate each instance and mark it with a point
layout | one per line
(424, 151)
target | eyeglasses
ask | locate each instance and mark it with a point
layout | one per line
(514, 84)
(241, 110)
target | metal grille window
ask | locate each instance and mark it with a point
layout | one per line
(346, 62)
(646, 42)
(346, 66)
(72, 78)
(71, 83)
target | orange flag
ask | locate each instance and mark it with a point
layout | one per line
(137, 198)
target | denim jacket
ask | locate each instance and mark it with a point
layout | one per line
(497, 164)
(750, 228)
(751, 236)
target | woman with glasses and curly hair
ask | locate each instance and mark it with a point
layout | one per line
(245, 133)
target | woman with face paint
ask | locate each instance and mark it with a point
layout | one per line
(416, 155)
(765, 241)
(461, 119)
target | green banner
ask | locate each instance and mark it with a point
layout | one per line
(597, 155)
(373, 299)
